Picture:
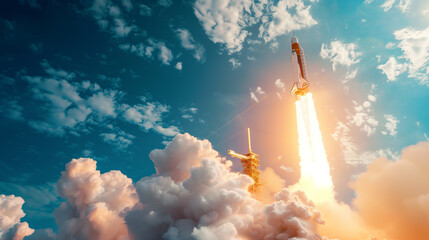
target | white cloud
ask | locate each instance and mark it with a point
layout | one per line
(109, 17)
(12, 110)
(202, 199)
(165, 3)
(390, 45)
(391, 123)
(56, 73)
(95, 202)
(280, 85)
(189, 43)
(146, 51)
(145, 10)
(224, 22)
(72, 107)
(64, 106)
(10, 216)
(120, 140)
(188, 113)
(340, 53)
(11, 211)
(415, 55)
(128, 5)
(235, 63)
(352, 155)
(392, 68)
(229, 22)
(140, 49)
(149, 116)
(402, 5)
(362, 117)
(387, 5)
(194, 194)
(253, 96)
(164, 54)
(372, 98)
(103, 103)
(415, 47)
(351, 74)
(285, 17)
(121, 28)
(178, 66)
(258, 92)
(169, 131)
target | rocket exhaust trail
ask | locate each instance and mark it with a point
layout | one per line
(314, 163)
(315, 178)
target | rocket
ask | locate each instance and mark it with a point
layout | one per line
(299, 70)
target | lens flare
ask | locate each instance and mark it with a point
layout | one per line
(315, 179)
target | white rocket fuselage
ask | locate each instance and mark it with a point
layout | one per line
(299, 70)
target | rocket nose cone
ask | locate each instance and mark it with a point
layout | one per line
(294, 39)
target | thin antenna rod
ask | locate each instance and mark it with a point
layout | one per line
(248, 137)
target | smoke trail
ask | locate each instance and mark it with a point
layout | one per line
(315, 178)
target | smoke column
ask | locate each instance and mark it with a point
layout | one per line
(315, 178)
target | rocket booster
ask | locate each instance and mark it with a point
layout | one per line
(299, 69)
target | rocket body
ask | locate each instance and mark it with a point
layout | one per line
(299, 70)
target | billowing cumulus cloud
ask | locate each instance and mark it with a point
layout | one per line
(95, 202)
(10, 215)
(193, 195)
(393, 196)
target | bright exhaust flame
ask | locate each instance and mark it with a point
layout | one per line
(315, 178)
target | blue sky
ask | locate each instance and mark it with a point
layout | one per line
(113, 80)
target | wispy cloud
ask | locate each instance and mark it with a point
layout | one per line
(235, 63)
(257, 93)
(148, 115)
(339, 53)
(415, 55)
(109, 17)
(146, 51)
(392, 68)
(351, 153)
(165, 3)
(189, 43)
(145, 10)
(120, 140)
(391, 124)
